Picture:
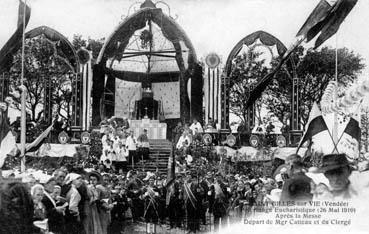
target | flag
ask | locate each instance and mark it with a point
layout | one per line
(15, 41)
(326, 19)
(349, 142)
(36, 144)
(353, 129)
(315, 125)
(7, 139)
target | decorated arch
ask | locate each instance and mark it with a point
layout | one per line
(148, 50)
(276, 49)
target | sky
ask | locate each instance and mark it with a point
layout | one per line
(212, 25)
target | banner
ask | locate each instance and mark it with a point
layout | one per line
(168, 94)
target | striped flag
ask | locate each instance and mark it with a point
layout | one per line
(315, 125)
(349, 142)
(325, 19)
(14, 42)
(7, 139)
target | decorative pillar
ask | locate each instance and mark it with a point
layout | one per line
(48, 100)
(98, 86)
(224, 123)
(77, 87)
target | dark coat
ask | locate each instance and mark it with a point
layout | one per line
(55, 219)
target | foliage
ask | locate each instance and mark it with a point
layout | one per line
(90, 44)
(247, 70)
(314, 69)
(42, 66)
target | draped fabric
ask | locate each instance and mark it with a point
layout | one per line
(126, 93)
(168, 95)
(197, 93)
(110, 97)
(97, 92)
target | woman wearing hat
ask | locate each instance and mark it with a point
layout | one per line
(104, 205)
(92, 222)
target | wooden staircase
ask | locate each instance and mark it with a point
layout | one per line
(160, 150)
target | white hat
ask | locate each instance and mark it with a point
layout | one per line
(44, 179)
(71, 176)
(283, 170)
(278, 178)
(275, 195)
(42, 224)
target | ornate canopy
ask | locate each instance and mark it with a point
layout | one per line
(145, 43)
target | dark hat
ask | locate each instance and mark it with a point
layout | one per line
(293, 158)
(297, 188)
(96, 174)
(333, 161)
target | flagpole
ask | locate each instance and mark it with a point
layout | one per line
(335, 116)
(23, 97)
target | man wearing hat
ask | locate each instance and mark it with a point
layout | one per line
(72, 215)
(151, 213)
(192, 198)
(338, 170)
(174, 202)
(54, 213)
(298, 188)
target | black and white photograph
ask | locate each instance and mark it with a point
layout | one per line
(184, 116)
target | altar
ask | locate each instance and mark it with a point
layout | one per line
(155, 129)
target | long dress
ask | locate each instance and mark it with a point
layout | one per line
(104, 211)
(92, 221)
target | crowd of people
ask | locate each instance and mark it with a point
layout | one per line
(202, 196)
(77, 201)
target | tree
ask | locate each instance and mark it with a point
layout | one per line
(42, 65)
(90, 44)
(314, 70)
(247, 70)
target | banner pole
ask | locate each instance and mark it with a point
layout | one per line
(23, 97)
